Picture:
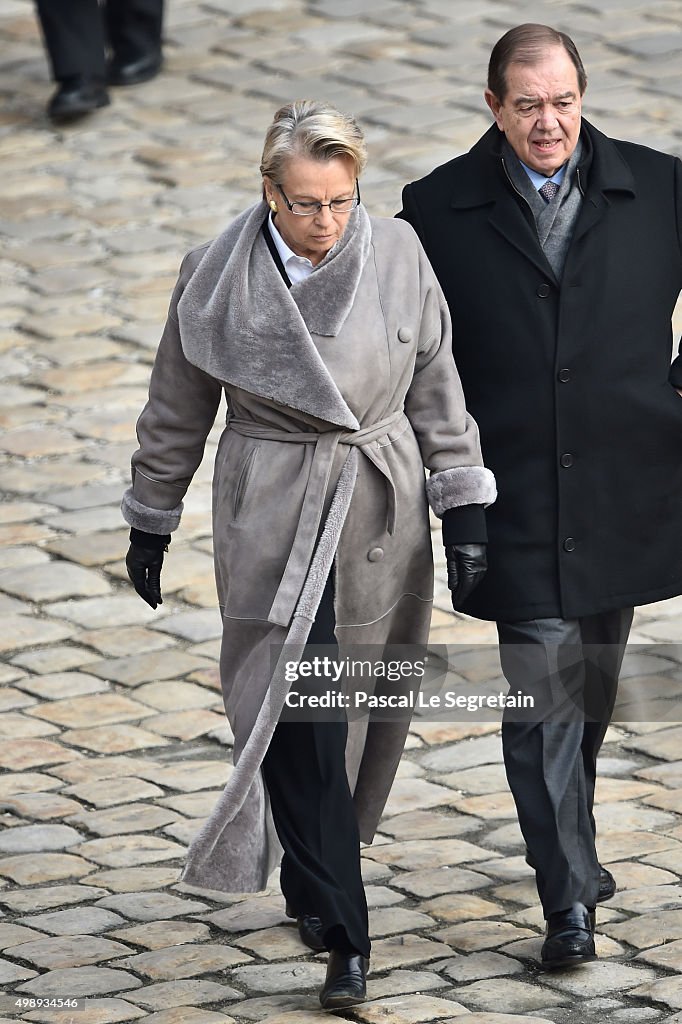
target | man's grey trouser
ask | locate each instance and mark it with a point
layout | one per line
(570, 667)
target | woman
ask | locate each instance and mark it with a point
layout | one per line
(328, 333)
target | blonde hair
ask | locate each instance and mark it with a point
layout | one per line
(313, 129)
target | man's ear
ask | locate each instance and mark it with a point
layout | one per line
(495, 106)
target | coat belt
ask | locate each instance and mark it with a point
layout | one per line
(366, 439)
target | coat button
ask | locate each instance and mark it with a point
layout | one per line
(405, 335)
(564, 376)
(543, 291)
(567, 460)
(376, 554)
(569, 544)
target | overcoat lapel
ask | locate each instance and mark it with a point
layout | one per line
(240, 323)
(591, 213)
(489, 188)
(508, 219)
(608, 173)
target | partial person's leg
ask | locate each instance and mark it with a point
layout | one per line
(604, 640)
(134, 28)
(544, 759)
(74, 37)
(314, 815)
(312, 807)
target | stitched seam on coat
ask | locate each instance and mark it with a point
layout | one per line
(153, 480)
(424, 600)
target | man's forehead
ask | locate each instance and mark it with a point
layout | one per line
(537, 94)
(549, 77)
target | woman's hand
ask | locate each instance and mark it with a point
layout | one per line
(144, 569)
(467, 565)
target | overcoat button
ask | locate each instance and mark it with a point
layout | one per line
(567, 460)
(564, 376)
(376, 554)
(569, 544)
(404, 334)
(543, 291)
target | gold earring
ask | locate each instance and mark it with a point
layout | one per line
(273, 206)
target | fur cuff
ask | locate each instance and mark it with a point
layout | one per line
(464, 485)
(150, 520)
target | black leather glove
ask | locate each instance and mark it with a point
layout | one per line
(467, 565)
(144, 564)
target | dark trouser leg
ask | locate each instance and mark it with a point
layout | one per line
(134, 27)
(312, 807)
(74, 37)
(551, 762)
(604, 638)
(314, 815)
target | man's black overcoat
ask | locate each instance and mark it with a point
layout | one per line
(570, 382)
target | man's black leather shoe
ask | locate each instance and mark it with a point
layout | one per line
(133, 72)
(309, 928)
(346, 981)
(607, 883)
(75, 97)
(569, 939)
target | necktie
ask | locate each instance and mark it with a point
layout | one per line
(548, 190)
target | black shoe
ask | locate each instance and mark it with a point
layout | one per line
(607, 883)
(569, 939)
(133, 72)
(75, 97)
(309, 929)
(345, 984)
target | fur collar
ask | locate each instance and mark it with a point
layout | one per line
(242, 325)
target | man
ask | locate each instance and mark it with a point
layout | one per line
(77, 34)
(558, 250)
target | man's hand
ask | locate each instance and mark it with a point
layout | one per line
(144, 570)
(467, 565)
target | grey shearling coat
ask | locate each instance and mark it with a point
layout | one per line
(339, 392)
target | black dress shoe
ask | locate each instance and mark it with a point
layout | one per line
(569, 939)
(346, 981)
(309, 928)
(133, 72)
(75, 97)
(607, 883)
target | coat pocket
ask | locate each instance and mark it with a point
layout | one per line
(243, 481)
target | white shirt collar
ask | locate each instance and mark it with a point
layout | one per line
(540, 179)
(297, 267)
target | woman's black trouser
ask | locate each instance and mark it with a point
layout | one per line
(77, 33)
(312, 807)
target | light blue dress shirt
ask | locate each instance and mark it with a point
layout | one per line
(539, 179)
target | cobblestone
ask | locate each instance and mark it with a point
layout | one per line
(80, 981)
(113, 738)
(77, 951)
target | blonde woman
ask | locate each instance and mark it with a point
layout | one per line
(327, 333)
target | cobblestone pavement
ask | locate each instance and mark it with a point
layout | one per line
(113, 740)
